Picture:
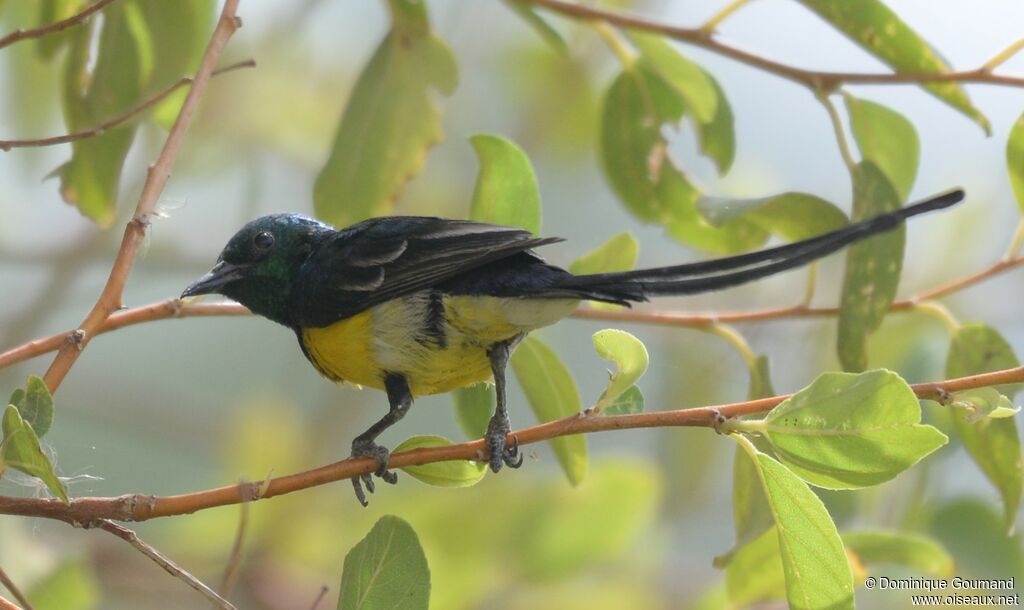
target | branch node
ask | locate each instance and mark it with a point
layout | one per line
(76, 338)
(717, 420)
(943, 396)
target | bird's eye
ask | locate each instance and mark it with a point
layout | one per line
(264, 240)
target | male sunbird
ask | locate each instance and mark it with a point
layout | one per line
(423, 305)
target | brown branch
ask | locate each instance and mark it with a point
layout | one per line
(164, 562)
(6, 145)
(6, 604)
(41, 31)
(174, 308)
(109, 300)
(816, 80)
(6, 581)
(138, 507)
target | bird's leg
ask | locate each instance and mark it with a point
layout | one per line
(499, 426)
(364, 445)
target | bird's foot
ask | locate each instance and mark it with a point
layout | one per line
(502, 454)
(369, 449)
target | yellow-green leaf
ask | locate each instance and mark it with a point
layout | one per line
(35, 405)
(629, 356)
(887, 139)
(814, 562)
(20, 450)
(846, 431)
(1015, 160)
(635, 159)
(539, 25)
(454, 473)
(755, 573)
(881, 32)
(473, 407)
(751, 514)
(552, 394)
(873, 268)
(792, 216)
(901, 548)
(71, 586)
(993, 444)
(630, 401)
(683, 75)
(506, 190)
(389, 123)
(386, 569)
(52, 11)
(619, 253)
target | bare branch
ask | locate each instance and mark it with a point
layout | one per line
(227, 583)
(172, 568)
(109, 300)
(816, 80)
(6, 145)
(6, 581)
(41, 31)
(138, 507)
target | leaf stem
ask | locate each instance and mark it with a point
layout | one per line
(616, 42)
(1001, 57)
(712, 24)
(837, 129)
(1016, 243)
(736, 340)
(742, 426)
(812, 284)
(939, 311)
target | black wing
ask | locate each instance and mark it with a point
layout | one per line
(385, 258)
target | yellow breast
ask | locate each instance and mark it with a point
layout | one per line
(404, 336)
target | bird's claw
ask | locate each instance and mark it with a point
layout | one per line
(370, 449)
(502, 453)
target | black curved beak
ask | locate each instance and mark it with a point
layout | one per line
(223, 273)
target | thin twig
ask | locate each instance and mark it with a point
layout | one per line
(319, 598)
(827, 81)
(175, 308)
(138, 507)
(109, 300)
(22, 599)
(1004, 55)
(716, 20)
(41, 31)
(837, 129)
(164, 562)
(6, 145)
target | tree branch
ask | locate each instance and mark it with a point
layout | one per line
(109, 300)
(175, 308)
(6, 581)
(164, 562)
(6, 604)
(137, 507)
(6, 145)
(816, 80)
(41, 31)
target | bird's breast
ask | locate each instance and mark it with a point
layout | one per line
(437, 341)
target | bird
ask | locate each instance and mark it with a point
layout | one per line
(419, 305)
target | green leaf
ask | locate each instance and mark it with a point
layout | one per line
(887, 139)
(90, 179)
(21, 451)
(506, 189)
(35, 406)
(630, 401)
(389, 123)
(629, 356)
(619, 253)
(386, 569)
(179, 32)
(634, 156)
(473, 406)
(846, 431)
(901, 548)
(552, 394)
(750, 511)
(873, 268)
(454, 473)
(1015, 160)
(702, 95)
(755, 573)
(993, 444)
(878, 30)
(539, 25)
(52, 11)
(791, 216)
(72, 586)
(813, 559)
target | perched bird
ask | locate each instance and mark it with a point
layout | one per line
(423, 305)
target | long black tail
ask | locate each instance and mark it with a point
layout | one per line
(719, 273)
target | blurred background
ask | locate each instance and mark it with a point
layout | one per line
(177, 406)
